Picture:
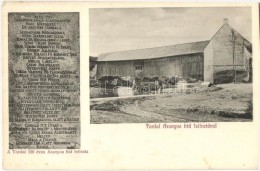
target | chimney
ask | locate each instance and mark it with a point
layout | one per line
(225, 21)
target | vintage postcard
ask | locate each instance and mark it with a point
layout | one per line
(135, 85)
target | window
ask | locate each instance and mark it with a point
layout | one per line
(138, 68)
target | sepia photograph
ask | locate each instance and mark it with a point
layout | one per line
(175, 64)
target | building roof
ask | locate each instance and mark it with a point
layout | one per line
(157, 52)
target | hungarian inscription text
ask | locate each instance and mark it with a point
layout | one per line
(44, 96)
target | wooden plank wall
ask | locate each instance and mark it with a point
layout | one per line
(182, 66)
(115, 68)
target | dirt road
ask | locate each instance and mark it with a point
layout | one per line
(223, 103)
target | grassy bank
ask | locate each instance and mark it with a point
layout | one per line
(225, 103)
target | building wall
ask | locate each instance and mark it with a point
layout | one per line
(208, 63)
(115, 68)
(182, 66)
(222, 48)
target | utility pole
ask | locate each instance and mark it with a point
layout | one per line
(234, 60)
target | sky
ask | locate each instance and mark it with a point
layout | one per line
(137, 28)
